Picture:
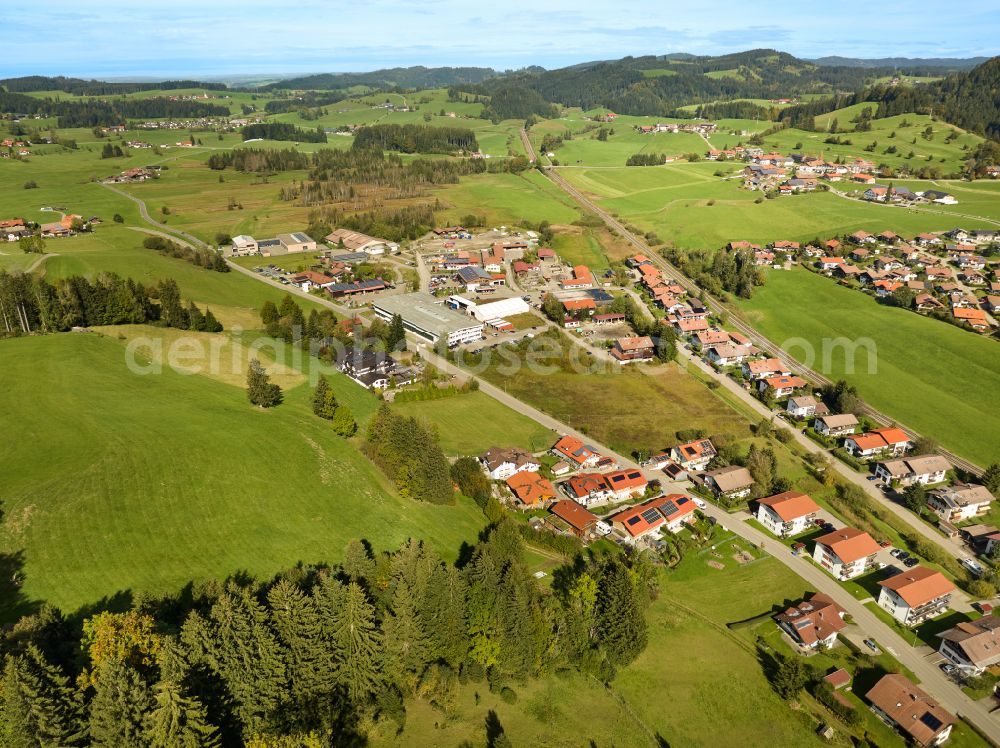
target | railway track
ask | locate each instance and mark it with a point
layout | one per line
(717, 306)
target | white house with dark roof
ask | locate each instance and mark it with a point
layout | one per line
(924, 469)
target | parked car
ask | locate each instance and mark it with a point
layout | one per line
(871, 477)
(895, 552)
(948, 668)
(819, 522)
(972, 565)
(700, 503)
(872, 646)
(911, 562)
(884, 544)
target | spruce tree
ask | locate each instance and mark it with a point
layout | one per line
(396, 340)
(358, 563)
(319, 396)
(621, 624)
(120, 707)
(178, 721)
(39, 705)
(261, 391)
(406, 651)
(356, 644)
(310, 662)
(444, 612)
(237, 633)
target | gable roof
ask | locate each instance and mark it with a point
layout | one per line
(730, 478)
(916, 713)
(814, 619)
(849, 544)
(978, 640)
(918, 585)
(838, 420)
(649, 515)
(573, 449)
(573, 514)
(790, 505)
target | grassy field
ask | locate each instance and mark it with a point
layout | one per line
(625, 407)
(510, 199)
(233, 297)
(686, 205)
(119, 483)
(471, 423)
(933, 377)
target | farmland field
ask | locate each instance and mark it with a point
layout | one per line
(121, 483)
(933, 377)
(685, 205)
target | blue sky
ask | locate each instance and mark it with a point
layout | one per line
(113, 38)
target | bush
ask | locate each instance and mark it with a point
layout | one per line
(117, 218)
(509, 695)
(31, 184)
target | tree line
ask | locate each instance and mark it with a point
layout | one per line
(730, 270)
(319, 655)
(210, 259)
(31, 304)
(408, 452)
(412, 138)
(95, 112)
(81, 87)
(282, 131)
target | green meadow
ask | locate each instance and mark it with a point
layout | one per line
(933, 377)
(120, 483)
(687, 205)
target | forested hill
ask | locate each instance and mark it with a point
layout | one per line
(658, 85)
(912, 65)
(80, 87)
(970, 100)
(412, 77)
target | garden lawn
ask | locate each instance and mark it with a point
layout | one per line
(116, 483)
(470, 423)
(935, 378)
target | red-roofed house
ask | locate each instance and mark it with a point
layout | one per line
(588, 489)
(531, 488)
(915, 595)
(666, 512)
(575, 452)
(694, 455)
(786, 514)
(626, 483)
(582, 278)
(579, 521)
(846, 553)
(813, 623)
(783, 386)
(878, 443)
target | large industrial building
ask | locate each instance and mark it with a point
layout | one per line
(429, 318)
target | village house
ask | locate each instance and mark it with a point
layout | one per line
(626, 484)
(588, 489)
(878, 443)
(530, 488)
(581, 278)
(960, 502)
(830, 263)
(764, 368)
(576, 452)
(500, 462)
(975, 318)
(925, 302)
(973, 646)
(813, 623)
(644, 520)
(786, 514)
(837, 424)
(916, 594)
(802, 406)
(310, 279)
(925, 469)
(846, 553)
(693, 455)
(783, 386)
(732, 481)
(627, 350)
(903, 705)
(727, 354)
(570, 517)
(368, 368)
(688, 326)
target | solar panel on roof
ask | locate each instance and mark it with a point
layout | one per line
(931, 721)
(617, 478)
(669, 508)
(650, 515)
(632, 520)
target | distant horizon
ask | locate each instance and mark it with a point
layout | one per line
(214, 76)
(226, 38)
